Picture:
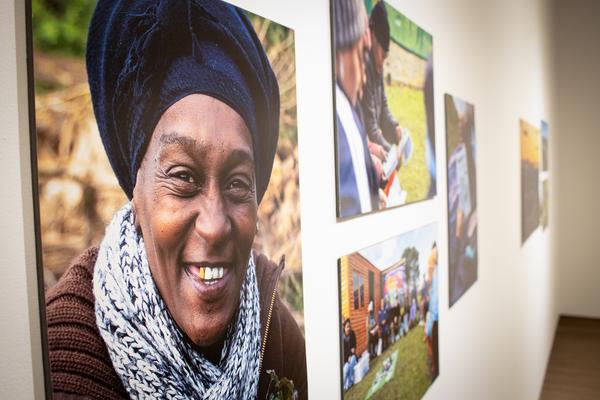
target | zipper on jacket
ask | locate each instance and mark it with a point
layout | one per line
(264, 344)
(269, 315)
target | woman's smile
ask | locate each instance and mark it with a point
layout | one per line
(210, 280)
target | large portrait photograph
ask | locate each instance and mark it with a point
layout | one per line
(461, 151)
(384, 108)
(389, 313)
(169, 203)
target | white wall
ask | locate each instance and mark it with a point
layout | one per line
(20, 344)
(494, 343)
(575, 144)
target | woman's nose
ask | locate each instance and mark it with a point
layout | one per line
(212, 221)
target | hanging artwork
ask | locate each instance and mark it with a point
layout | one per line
(167, 173)
(462, 196)
(389, 314)
(530, 172)
(384, 114)
(544, 175)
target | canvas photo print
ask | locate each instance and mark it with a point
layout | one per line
(530, 172)
(389, 315)
(384, 114)
(544, 217)
(544, 137)
(462, 195)
(167, 155)
(544, 176)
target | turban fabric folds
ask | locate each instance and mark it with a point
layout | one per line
(145, 55)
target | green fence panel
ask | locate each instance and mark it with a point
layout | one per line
(405, 32)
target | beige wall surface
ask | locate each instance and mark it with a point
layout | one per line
(20, 344)
(495, 341)
(575, 144)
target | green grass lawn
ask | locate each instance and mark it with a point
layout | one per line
(411, 378)
(408, 107)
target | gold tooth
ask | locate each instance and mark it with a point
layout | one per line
(216, 273)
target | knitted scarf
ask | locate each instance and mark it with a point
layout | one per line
(147, 348)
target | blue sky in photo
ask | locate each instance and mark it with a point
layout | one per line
(384, 254)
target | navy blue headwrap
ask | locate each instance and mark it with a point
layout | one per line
(145, 55)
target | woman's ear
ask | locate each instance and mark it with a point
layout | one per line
(134, 203)
(136, 220)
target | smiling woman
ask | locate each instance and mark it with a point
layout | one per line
(196, 206)
(174, 303)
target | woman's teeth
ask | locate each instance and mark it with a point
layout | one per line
(210, 274)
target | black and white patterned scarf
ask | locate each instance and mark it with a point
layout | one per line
(147, 348)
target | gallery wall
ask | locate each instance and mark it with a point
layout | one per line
(577, 96)
(495, 341)
(21, 373)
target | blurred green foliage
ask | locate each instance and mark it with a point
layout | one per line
(60, 26)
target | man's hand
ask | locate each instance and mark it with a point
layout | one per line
(378, 167)
(377, 150)
(399, 131)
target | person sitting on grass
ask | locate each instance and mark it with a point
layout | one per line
(382, 128)
(349, 344)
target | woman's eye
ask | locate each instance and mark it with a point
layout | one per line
(184, 177)
(239, 188)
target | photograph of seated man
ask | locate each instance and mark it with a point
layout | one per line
(384, 125)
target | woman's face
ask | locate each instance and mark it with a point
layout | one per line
(195, 204)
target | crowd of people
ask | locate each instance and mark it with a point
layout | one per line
(368, 136)
(419, 307)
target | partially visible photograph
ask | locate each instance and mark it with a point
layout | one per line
(383, 96)
(544, 176)
(544, 133)
(462, 196)
(544, 203)
(530, 172)
(389, 315)
(167, 155)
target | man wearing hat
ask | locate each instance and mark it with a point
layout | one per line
(381, 127)
(356, 177)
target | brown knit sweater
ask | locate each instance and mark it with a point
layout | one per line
(79, 361)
